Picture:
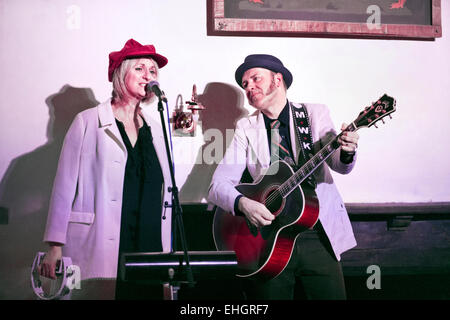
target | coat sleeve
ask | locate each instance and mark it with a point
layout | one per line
(222, 191)
(327, 132)
(65, 184)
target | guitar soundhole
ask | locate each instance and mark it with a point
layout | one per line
(274, 201)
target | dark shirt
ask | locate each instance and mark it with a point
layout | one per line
(141, 205)
(283, 129)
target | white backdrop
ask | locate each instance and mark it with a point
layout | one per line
(49, 44)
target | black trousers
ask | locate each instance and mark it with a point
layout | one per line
(312, 273)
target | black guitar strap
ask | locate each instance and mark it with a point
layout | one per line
(304, 137)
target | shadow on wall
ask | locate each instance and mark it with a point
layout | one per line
(25, 192)
(224, 106)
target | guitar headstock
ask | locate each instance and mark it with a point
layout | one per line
(376, 112)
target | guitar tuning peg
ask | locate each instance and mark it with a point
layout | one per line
(375, 126)
(390, 116)
(382, 121)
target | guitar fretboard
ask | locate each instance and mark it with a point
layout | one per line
(312, 164)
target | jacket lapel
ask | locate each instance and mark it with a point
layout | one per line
(257, 137)
(108, 123)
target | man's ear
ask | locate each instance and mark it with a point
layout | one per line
(279, 79)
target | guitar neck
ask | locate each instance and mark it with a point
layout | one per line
(312, 164)
(378, 110)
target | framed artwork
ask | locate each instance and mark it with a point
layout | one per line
(367, 19)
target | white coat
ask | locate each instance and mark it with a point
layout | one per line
(86, 202)
(250, 149)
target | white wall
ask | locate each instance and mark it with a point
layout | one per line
(44, 47)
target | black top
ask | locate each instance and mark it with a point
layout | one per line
(142, 195)
(283, 129)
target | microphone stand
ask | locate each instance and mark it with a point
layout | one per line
(177, 212)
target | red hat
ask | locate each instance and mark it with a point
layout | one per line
(133, 49)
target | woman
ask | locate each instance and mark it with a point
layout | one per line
(113, 175)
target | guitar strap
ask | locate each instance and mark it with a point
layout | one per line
(304, 137)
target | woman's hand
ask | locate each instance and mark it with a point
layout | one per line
(48, 265)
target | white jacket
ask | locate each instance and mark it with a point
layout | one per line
(86, 202)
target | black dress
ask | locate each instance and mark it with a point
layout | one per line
(141, 205)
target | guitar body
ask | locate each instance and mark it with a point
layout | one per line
(265, 252)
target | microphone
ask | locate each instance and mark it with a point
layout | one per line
(153, 86)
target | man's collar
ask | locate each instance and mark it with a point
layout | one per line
(283, 117)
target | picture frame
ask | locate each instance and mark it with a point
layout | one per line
(371, 19)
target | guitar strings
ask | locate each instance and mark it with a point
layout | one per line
(311, 165)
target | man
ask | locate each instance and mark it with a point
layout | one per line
(316, 254)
